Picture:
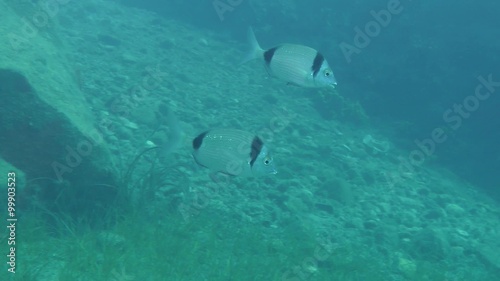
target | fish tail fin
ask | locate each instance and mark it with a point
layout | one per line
(173, 131)
(254, 48)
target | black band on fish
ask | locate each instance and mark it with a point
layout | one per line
(199, 140)
(269, 54)
(317, 63)
(257, 145)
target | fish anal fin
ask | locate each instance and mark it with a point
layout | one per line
(220, 177)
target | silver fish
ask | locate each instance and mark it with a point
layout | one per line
(296, 64)
(233, 152)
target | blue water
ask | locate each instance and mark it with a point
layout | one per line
(392, 175)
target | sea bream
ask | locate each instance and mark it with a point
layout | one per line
(233, 152)
(295, 64)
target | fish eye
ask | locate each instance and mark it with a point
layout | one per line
(328, 72)
(267, 161)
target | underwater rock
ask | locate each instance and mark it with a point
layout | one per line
(108, 40)
(454, 210)
(490, 255)
(370, 224)
(325, 207)
(407, 267)
(375, 146)
(65, 163)
(48, 129)
(20, 177)
(433, 214)
(337, 189)
(457, 251)
(429, 244)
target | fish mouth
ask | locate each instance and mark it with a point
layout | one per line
(333, 85)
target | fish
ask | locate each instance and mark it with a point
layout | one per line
(295, 64)
(233, 152)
